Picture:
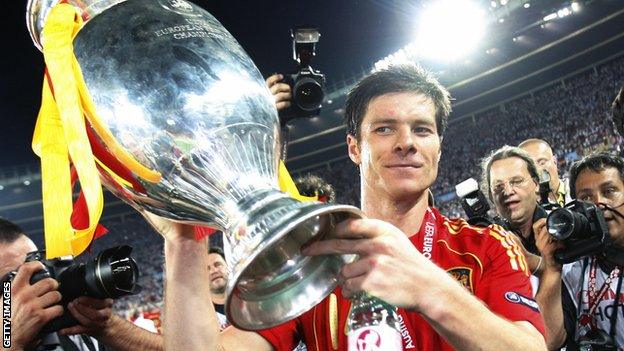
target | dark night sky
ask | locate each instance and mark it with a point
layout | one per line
(354, 35)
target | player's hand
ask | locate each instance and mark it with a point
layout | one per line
(170, 230)
(546, 245)
(389, 266)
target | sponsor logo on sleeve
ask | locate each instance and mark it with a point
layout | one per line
(514, 297)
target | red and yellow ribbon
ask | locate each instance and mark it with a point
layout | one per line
(60, 138)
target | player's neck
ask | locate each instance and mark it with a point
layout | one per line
(406, 214)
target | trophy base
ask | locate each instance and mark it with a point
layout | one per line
(276, 283)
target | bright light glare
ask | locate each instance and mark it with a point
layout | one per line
(575, 6)
(450, 29)
(550, 17)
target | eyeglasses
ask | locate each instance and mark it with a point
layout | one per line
(514, 183)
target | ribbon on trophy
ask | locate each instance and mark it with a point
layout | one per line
(62, 139)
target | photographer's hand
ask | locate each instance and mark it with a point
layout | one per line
(32, 306)
(549, 292)
(94, 316)
(97, 319)
(546, 245)
(281, 91)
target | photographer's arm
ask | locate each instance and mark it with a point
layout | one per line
(549, 292)
(96, 319)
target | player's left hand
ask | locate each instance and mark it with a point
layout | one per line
(94, 316)
(389, 266)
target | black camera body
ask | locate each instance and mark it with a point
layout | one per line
(582, 229)
(307, 84)
(111, 274)
(475, 205)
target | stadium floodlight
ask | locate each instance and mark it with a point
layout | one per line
(450, 29)
(550, 17)
(576, 7)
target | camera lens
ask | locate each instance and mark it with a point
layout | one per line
(563, 224)
(308, 94)
(114, 272)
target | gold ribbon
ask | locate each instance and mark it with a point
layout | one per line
(60, 135)
(287, 185)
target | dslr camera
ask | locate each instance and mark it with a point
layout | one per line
(475, 204)
(581, 227)
(111, 274)
(307, 84)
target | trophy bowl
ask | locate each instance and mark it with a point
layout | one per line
(181, 96)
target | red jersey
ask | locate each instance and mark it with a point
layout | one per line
(485, 261)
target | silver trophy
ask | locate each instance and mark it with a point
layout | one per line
(179, 93)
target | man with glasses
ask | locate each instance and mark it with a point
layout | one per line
(510, 177)
(587, 311)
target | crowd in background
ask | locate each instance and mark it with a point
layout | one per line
(572, 115)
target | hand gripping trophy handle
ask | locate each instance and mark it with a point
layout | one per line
(180, 95)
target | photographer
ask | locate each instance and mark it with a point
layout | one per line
(510, 177)
(586, 312)
(545, 160)
(33, 306)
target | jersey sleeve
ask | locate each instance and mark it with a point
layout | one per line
(284, 337)
(505, 286)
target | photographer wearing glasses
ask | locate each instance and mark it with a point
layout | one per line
(510, 179)
(586, 312)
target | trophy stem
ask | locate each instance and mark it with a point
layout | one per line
(272, 282)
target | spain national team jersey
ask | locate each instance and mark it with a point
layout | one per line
(484, 260)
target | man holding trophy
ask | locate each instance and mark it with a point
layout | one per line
(178, 122)
(394, 136)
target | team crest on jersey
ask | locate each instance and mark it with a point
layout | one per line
(463, 275)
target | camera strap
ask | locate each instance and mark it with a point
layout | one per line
(614, 315)
(593, 297)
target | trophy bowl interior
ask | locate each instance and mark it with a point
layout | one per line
(278, 283)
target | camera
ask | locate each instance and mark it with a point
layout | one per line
(111, 274)
(581, 227)
(307, 84)
(475, 204)
(597, 340)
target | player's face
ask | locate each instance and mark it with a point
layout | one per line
(604, 187)
(399, 147)
(217, 271)
(513, 190)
